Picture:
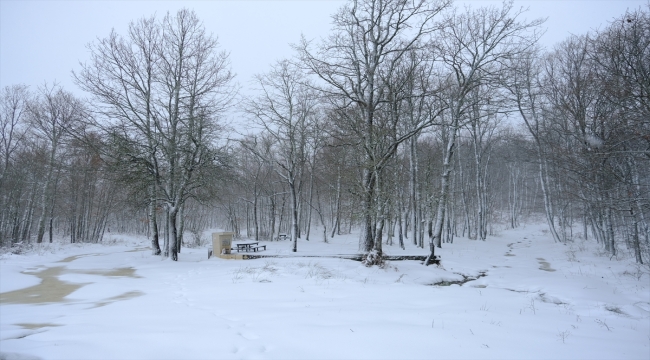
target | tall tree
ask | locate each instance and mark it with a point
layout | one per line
(162, 90)
(474, 45)
(52, 113)
(621, 53)
(369, 40)
(285, 109)
(13, 126)
(13, 129)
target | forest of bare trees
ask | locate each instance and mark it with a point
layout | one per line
(411, 122)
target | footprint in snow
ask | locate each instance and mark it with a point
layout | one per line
(248, 335)
(544, 265)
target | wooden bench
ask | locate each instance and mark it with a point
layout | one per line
(256, 248)
(245, 246)
(282, 237)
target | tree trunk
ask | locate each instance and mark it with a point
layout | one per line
(166, 234)
(294, 216)
(369, 185)
(309, 199)
(181, 228)
(413, 167)
(436, 239)
(272, 200)
(337, 219)
(153, 223)
(172, 214)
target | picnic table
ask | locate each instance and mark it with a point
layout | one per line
(248, 246)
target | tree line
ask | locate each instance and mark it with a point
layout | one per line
(412, 121)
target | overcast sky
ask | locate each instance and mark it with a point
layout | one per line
(45, 40)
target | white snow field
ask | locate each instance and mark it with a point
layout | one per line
(537, 300)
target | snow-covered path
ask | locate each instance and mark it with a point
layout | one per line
(537, 300)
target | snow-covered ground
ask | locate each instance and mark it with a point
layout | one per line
(537, 300)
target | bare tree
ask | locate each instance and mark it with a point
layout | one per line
(121, 78)
(13, 127)
(162, 91)
(52, 113)
(621, 53)
(285, 109)
(369, 39)
(483, 119)
(474, 45)
(525, 84)
(13, 108)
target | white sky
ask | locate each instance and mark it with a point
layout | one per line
(45, 40)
